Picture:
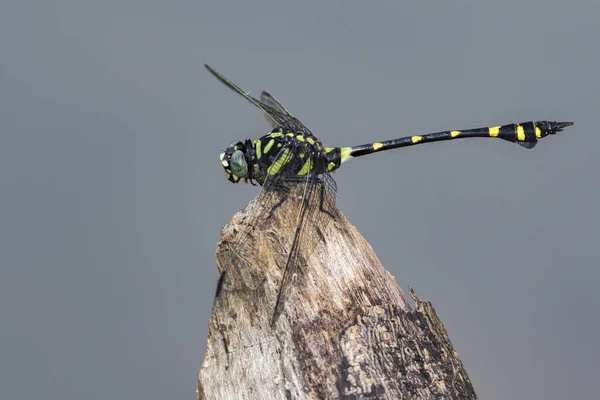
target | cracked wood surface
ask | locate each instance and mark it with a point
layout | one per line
(347, 330)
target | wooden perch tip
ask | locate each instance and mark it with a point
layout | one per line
(346, 331)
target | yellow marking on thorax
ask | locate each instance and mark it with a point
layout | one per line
(276, 134)
(454, 134)
(416, 139)
(330, 166)
(280, 162)
(258, 149)
(306, 167)
(520, 133)
(268, 146)
(377, 146)
(538, 132)
(494, 131)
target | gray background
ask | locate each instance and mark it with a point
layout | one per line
(113, 197)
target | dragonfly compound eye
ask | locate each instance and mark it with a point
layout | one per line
(238, 164)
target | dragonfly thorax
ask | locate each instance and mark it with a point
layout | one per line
(279, 151)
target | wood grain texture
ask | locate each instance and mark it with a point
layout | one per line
(347, 330)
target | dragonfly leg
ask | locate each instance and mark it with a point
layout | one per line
(322, 202)
(285, 191)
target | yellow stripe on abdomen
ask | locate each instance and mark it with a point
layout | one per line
(346, 153)
(494, 131)
(520, 133)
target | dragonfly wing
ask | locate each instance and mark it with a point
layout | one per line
(274, 111)
(315, 212)
(270, 100)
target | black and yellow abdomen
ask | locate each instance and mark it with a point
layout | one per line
(525, 134)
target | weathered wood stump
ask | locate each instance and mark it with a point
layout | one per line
(347, 330)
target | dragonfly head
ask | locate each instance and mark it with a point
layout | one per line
(236, 162)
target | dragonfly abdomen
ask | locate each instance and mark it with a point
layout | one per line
(525, 134)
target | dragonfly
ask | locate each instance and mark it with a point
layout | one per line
(291, 161)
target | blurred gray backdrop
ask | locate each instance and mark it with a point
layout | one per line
(112, 195)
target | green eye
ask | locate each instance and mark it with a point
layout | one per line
(238, 164)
